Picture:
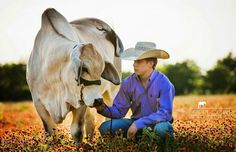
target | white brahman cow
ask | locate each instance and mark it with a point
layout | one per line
(201, 104)
(69, 67)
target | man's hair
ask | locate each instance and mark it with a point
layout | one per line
(154, 60)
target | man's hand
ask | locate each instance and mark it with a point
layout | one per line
(132, 131)
(100, 108)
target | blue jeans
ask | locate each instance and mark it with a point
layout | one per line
(161, 128)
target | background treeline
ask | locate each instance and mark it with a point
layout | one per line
(13, 85)
(186, 77)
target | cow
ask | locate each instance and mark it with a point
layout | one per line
(71, 67)
(201, 104)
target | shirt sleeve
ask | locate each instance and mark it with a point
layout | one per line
(164, 113)
(121, 104)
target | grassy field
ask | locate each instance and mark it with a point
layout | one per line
(212, 128)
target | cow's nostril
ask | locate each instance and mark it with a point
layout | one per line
(98, 102)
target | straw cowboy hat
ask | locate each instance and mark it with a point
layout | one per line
(144, 50)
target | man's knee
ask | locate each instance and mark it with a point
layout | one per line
(104, 128)
(164, 128)
(114, 125)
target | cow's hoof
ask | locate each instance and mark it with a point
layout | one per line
(78, 136)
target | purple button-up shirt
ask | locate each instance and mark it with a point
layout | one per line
(149, 106)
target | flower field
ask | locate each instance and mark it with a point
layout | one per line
(211, 128)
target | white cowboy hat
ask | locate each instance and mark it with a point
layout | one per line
(144, 50)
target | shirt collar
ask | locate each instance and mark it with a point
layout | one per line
(152, 77)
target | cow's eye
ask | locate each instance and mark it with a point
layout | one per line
(84, 69)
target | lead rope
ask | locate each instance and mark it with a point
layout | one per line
(81, 93)
(81, 97)
(111, 118)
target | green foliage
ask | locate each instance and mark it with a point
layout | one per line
(13, 84)
(125, 74)
(185, 76)
(222, 78)
(217, 80)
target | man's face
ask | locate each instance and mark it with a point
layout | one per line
(142, 66)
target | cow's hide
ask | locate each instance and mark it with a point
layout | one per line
(65, 68)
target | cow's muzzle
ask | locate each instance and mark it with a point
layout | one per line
(98, 102)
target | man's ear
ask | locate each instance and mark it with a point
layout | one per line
(110, 73)
(150, 62)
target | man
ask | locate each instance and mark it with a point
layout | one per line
(148, 93)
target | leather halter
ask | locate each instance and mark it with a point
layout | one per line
(83, 81)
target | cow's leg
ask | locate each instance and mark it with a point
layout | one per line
(90, 121)
(45, 117)
(77, 124)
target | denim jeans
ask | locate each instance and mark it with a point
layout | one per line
(161, 128)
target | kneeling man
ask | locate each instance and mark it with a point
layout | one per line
(147, 92)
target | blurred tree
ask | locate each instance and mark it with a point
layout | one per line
(185, 76)
(125, 74)
(222, 78)
(216, 80)
(13, 84)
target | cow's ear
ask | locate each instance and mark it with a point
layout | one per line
(115, 40)
(52, 20)
(110, 73)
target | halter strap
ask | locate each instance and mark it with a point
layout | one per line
(83, 81)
